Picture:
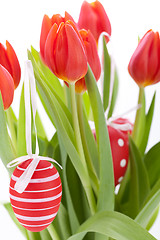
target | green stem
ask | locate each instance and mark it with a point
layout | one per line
(136, 134)
(53, 232)
(92, 173)
(76, 124)
(79, 147)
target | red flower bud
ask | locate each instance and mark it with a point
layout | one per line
(6, 87)
(9, 60)
(62, 48)
(144, 65)
(94, 18)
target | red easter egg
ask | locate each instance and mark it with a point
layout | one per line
(120, 153)
(38, 205)
(122, 121)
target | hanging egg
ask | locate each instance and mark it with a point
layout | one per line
(38, 205)
(120, 153)
(124, 122)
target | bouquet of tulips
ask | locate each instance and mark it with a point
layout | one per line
(110, 184)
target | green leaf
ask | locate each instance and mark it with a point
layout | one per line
(45, 82)
(148, 122)
(74, 223)
(87, 105)
(12, 125)
(34, 235)
(139, 182)
(63, 220)
(7, 152)
(46, 74)
(114, 94)
(152, 160)
(8, 207)
(21, 135)
(114, 225)
(106, 188)
(107, 76)
(45, 235)
(147, 211)
(63, 126)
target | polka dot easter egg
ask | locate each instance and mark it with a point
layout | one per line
(120, 153)
(38, 205)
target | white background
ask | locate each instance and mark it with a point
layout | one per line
(20, 24)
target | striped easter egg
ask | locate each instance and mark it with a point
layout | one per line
(38, 205)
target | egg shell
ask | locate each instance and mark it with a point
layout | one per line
(38, 205)
(120, 152)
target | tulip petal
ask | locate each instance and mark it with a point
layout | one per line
(71, 61)
(46, 26)
(49, 48)
(138, 65)
(94, 18)
(57, 18)
(6, 87)
(103, 23)
(88, 19)
(91, 51)
(16, 70)
(4, 61)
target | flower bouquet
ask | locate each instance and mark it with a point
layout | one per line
(103, 183)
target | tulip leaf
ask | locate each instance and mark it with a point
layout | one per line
(148, 122)
(114, 94)
(74, 223)
(45, 235)
(63, 127)
(107, 76)
(152, 160)
(7, 152)
(47, 75)
(114, 225)
(21, 135)
(139, 181)
(45, 81)
(145, 214)
(34, 235)
(63, 220)
(140, 120)
(106, 188)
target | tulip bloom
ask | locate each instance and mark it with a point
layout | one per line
(144, 65)
(94, 18)
(6, 87)
(10, 73)
(9, 61)
(62, 48)
(92, 57)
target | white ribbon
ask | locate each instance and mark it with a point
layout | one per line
(30, 100)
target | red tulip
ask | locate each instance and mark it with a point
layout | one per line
(6, 87)
(62, 48)
(9, 60)
(144, 65)
(94, 18)
(92, 57)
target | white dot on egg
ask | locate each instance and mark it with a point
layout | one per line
(120, 179)
(123, 163)
(120, 142)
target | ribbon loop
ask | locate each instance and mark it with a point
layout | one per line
(30, 101)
